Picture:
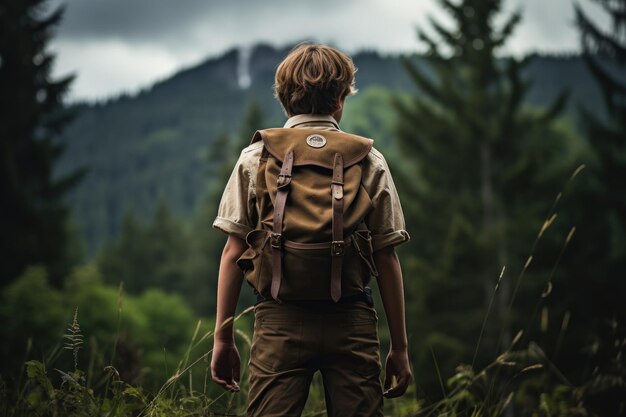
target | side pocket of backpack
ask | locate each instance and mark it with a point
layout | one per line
(251, 261)
(363, 245)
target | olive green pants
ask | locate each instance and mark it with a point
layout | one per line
(292, 342)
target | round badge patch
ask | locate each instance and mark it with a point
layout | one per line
(316, 141)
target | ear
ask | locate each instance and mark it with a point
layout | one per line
(340, 103)
(339, 112)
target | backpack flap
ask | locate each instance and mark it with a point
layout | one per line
(315, 147)
(308, 216)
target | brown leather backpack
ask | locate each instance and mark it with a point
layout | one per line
(311, 242)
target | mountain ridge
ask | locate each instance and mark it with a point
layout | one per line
(152, 145)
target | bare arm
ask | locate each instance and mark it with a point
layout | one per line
(228, 286)
(225, 362)
(392, 294)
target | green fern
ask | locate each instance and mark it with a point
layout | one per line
(74, 338)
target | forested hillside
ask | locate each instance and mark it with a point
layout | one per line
(153, 145)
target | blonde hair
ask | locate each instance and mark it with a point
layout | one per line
(314, 78)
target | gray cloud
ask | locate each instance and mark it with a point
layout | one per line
(129, 19)
(155, 20)
(117, 45)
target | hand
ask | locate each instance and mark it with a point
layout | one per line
(226, 365)
(397, 365)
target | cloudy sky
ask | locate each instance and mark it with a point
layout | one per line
(122, 45)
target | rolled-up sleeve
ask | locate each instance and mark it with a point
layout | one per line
(236, 212)
(386, 220)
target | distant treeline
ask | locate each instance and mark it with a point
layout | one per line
(153, 145)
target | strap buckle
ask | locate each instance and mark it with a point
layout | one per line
(276, 240)
(283, 181)
(337, 247)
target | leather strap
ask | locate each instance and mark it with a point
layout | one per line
(337, 247)
(276, 238)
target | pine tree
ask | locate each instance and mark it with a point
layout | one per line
(252, 121)
(127, 258)
(207, 243)
(148, 256)
(479, 181)
(598, 46)
(596, 265)
(605, 55)
(32, 117)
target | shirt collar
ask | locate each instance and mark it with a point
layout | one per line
(315, 119)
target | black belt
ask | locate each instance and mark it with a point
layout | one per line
(366, 296)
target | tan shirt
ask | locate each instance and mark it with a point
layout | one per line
(237, 212)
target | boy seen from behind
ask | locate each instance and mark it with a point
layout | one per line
(311, 214)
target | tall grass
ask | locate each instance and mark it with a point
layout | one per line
(521, 377)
